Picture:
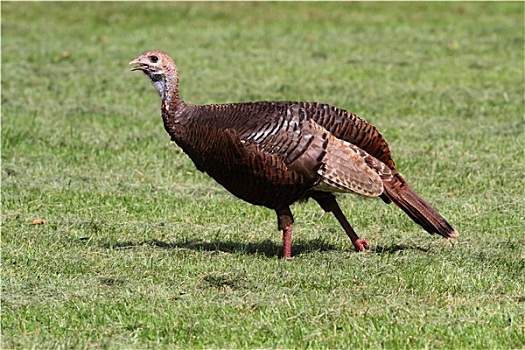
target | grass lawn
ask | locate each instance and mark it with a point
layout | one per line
(140, 250)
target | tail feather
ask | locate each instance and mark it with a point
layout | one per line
(418, 209)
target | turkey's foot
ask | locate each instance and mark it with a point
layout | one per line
(361, 244)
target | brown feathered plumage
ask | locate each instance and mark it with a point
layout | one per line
(276, 153)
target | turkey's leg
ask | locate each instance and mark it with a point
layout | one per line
(285, 221)
(287, 242)
(329, 204)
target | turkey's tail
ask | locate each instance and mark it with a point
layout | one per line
(398, 191)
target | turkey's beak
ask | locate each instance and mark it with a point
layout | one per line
(142, 66)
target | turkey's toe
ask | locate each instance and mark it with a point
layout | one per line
(361, 244)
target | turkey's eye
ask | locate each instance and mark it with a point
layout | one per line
(153, 59)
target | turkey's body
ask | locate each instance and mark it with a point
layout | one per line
(270, 153)
(276, 153)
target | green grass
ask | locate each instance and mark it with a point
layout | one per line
(142, 251)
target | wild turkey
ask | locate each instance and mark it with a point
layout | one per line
(276, 153)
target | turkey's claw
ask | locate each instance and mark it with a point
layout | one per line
(361, 244)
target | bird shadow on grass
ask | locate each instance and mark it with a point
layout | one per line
(396, 248)
(267, 248)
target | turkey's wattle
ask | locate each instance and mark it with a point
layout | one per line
(276, 153)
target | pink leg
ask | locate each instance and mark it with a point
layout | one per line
(287, 242)
(285, 221)
(329, 204)
(360, 244)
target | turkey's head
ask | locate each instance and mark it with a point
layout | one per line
(161, 71)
